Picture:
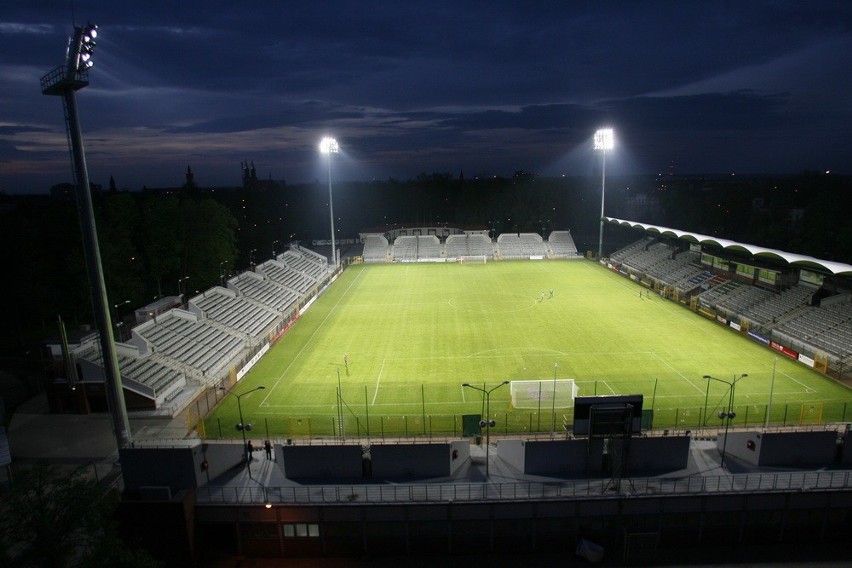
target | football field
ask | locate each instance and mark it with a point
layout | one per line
(386, 349)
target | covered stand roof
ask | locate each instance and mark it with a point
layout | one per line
(798, 260)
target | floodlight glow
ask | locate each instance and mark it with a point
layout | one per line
(329, 145)
(604, 139)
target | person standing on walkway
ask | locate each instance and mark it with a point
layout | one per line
(267, 446)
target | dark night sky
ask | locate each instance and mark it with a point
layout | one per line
(487, 88)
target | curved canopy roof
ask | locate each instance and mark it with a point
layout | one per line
(798, 260)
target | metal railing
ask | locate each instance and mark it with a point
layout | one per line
(524, 491)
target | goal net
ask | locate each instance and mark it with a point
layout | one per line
(548, 393)
(475, 259)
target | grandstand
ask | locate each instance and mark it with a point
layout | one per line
(803, 317)
(151, 375)
(521, 245)
(405, 249)
(200, 348)
(264, 291)
(561, 245)
(237, 313)
(375, 248)
(473, 244)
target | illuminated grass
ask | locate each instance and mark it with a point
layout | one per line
(415, 333)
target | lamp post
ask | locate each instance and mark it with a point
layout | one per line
(729, 414)
(118, 322)
(329, 146)
(65, 81)
(222, 272)
(553, 403)
(180, 286)
(771, 388)
(275, 248)
(604, 141)
(242, 426)
(251, 258)
(488, 423)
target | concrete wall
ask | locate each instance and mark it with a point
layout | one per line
(191, 465)
(787, 449)
(220, 458)
(461, 451)
(559, 457)
(846, 456)
(650, 455)
(322, 462)
(513, 452)
(411, 460)
(160, 467)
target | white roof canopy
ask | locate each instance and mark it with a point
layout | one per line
(797, 260)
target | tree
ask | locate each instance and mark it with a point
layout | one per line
(51, 517)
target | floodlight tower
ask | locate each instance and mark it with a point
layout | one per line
(604, 142)
(329, 146)
(64, 81)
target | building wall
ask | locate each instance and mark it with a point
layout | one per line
(717, 524)
(789, 449)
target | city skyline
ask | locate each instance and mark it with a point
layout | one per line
(482, 88)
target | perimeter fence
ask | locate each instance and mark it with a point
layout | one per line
(379, 426)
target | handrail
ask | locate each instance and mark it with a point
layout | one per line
(749, 483)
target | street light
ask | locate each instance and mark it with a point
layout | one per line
(329, 146)
(488, 423)
(180, 286)
(242, 426)
(118, 322)
(604, 141)
(729, 414)
(65, 81)
(222, 271)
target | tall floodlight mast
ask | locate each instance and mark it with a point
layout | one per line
(64, 81)
(604, 142)
(329, 146)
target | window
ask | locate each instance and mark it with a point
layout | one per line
(301, 530)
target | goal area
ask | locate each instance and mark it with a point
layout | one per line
(473, 259)
(549, 393)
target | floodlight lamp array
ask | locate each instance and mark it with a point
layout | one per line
(329, 145)
(604, 139)
(84, 46)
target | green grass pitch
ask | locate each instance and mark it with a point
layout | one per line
(414, 333)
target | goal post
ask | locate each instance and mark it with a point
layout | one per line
(546, 393)
(473, 259)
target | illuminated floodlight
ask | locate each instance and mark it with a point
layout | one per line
(329, 145)
(604, 142)
(604, 139)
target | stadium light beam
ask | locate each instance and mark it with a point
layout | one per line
(65, 81)
(488, 423)
(604, 142)
(242, 426)
(329, 146)
(728, 414)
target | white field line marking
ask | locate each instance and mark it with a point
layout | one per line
(264, 402)
(808, 390)
(378, 379)
(667, 364)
